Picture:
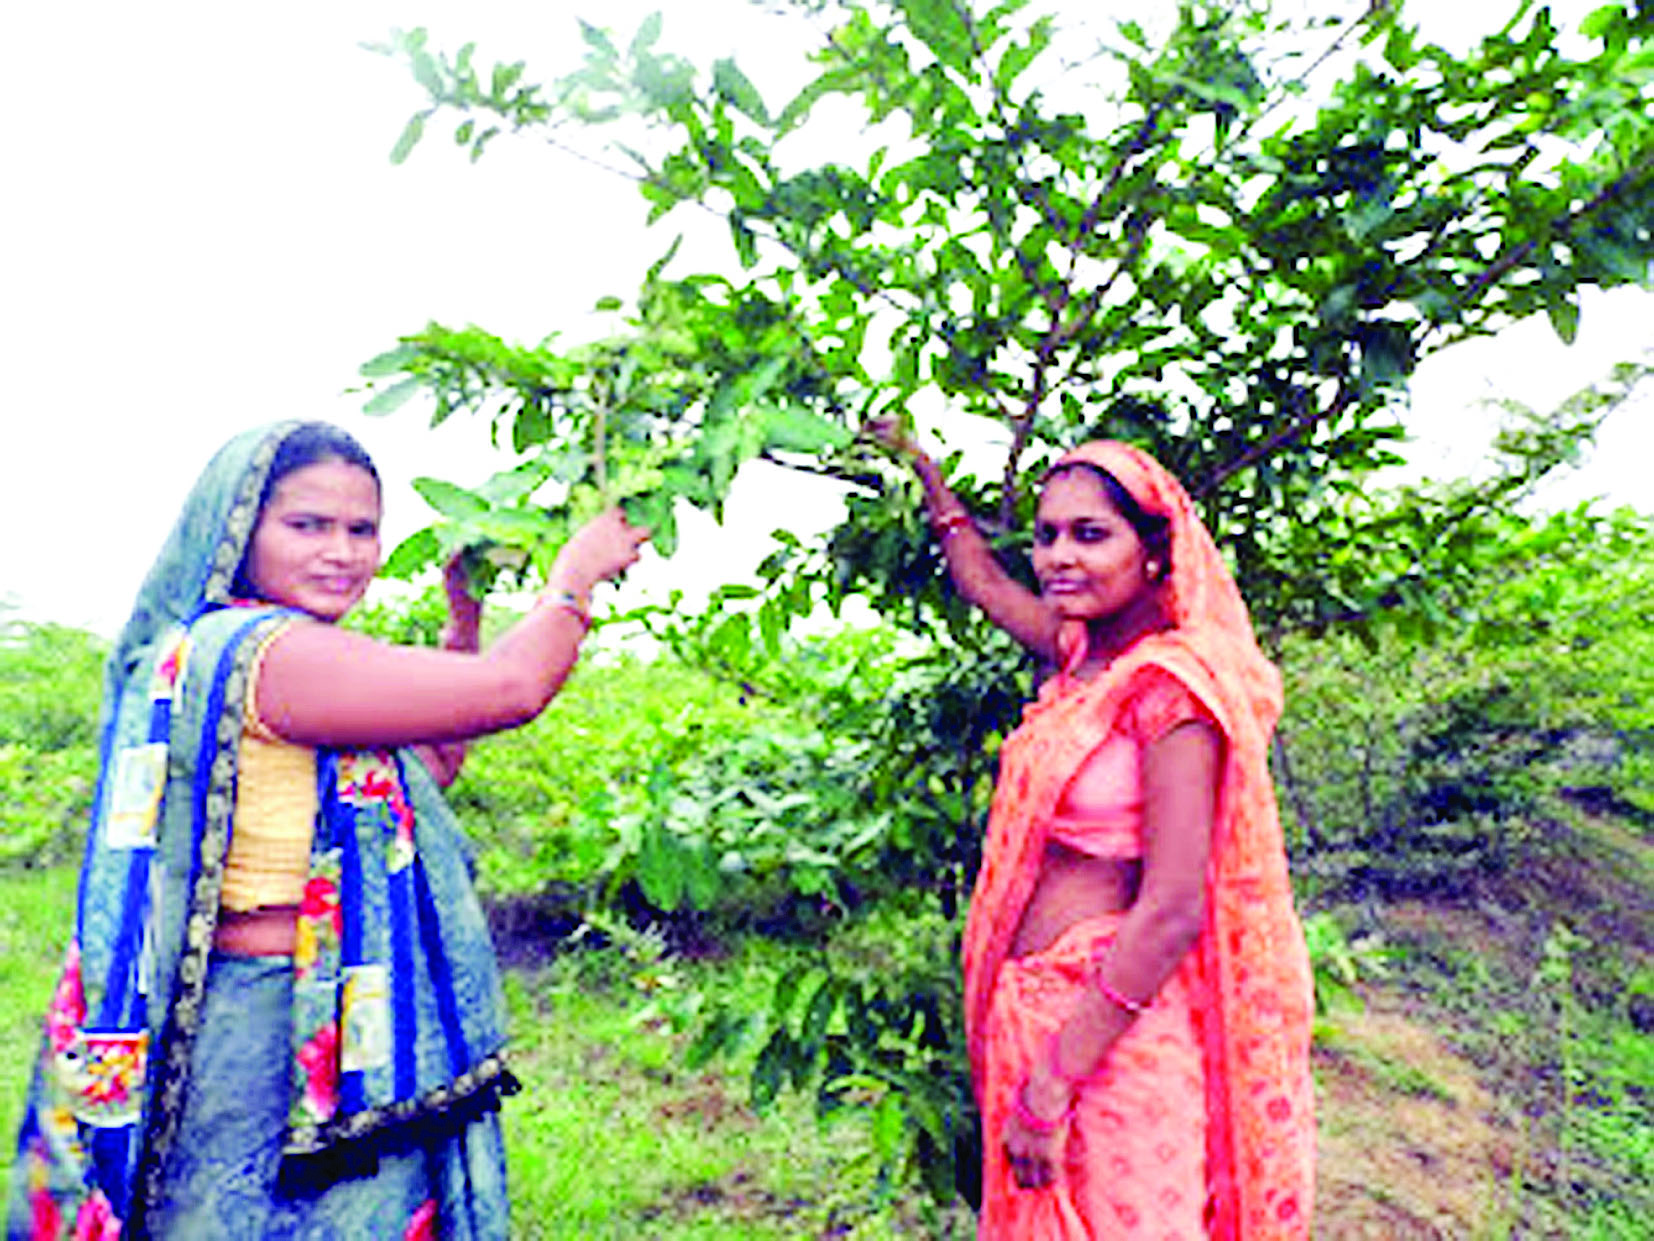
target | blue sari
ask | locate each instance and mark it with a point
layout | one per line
(348, 1091)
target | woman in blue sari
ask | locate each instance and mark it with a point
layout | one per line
(280, 1013)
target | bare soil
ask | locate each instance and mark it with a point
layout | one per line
(1409, 1145)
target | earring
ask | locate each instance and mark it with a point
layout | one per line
(1151, 569)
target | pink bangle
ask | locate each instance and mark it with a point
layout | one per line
(1039, 1124)
(1135, 1007)
(950, 523)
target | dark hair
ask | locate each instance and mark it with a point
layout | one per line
(309, 443)
(1154, 530)
(312, 443)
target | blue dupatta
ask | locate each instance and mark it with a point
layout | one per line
(397, 1012)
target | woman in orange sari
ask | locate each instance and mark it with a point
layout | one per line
(1138, 993)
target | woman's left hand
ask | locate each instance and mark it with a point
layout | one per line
(464, 629)
(1035, 1153)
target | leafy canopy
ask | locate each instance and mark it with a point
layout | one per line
(1231, 244)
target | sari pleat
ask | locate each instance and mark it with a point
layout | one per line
(1135, 1149)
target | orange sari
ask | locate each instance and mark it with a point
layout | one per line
(1247, 982)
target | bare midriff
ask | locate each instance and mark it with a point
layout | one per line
(1072, 887)
(269, 931)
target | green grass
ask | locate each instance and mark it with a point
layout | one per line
(1397, 1077)
(611, 1136)
(614, 1137)
(37, 909)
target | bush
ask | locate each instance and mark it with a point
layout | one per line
(51, 678)
(1419, 767)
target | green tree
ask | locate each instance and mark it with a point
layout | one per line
(1209, 259)
(1231, 244)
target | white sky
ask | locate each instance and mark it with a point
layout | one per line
(202, 232)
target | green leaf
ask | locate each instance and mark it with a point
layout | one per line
(482, 141)
(426, 73)
(392, 398)
(1564, 315)
(940, 25)
(746, 241)
(598, 39)
(411, 134)
(813, 1029)
(411, 555)
(1599, 23)
(733, 85)
(391, 361)
(723, 1031)
(658, 870)
(503, 79)
(1020, 55)
(453, 502)
(648, 34)
(888, 1125)
(531, 426)
(702, 882)
(769, 1070)
(786, 990)
(653, 510)
(791, 428)
(513, 527)
(510, 486)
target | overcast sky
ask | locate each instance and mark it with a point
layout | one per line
(202, 232)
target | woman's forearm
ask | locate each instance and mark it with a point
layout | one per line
(1151, 943)
(976, 572)
(541, 649)
(321, 685)
(462, 633)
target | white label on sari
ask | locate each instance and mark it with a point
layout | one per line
(365, 1041)
(135, 798)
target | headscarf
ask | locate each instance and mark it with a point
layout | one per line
(398, 1013)
(1257, 999)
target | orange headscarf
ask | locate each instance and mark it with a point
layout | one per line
(1257, 1002)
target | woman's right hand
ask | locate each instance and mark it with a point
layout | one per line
(894, 434)
(602, 549)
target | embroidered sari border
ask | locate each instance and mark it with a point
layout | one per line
(485, 1082)
(214, 803)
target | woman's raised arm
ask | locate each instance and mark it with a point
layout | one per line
(321, 685)
(976, 571)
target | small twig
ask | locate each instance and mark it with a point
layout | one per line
(1283, 437)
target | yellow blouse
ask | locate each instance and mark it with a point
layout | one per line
(275, 814)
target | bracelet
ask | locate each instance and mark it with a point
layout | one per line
(1135, 1007)
(1039, 1124)
(950, 523)
(572, 603)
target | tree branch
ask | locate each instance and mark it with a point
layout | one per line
(1504, 263)
(1344, 398)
